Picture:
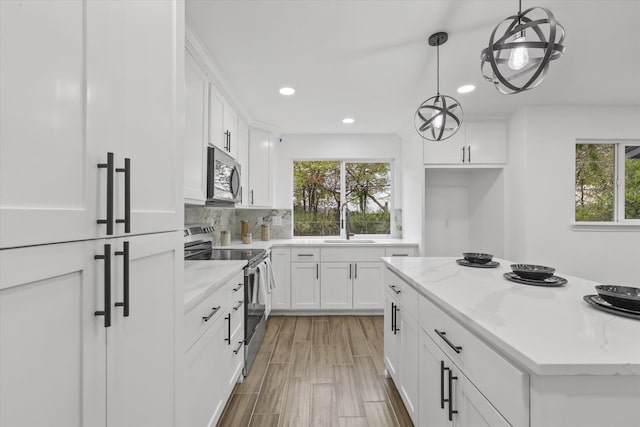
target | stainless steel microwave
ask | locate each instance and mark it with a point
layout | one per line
(223, 178)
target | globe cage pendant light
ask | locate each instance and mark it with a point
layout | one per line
(520, 50)
(440, 116)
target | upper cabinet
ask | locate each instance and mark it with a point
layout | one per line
(223, 122)
(243, 159)
(476, 144)
(260, 143)
(196, 131)
(99, 122)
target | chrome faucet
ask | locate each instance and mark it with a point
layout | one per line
(345, 221)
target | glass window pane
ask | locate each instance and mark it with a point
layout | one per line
(316, 198)
(595, 172)
(368, 195)
(632, 182)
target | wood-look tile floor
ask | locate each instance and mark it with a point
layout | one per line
(318, 371)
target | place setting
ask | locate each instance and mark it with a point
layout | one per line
(534, 275)
(477, 260)
(616, 299)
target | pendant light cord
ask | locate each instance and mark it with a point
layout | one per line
(438, 69)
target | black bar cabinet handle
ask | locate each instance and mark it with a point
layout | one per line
(355, 276)
(400, 255)
(251, 196)
(463, 161)
(229, 141)
(237, 307)
(395, 321)
(125, 282)
(442, 335)
(237, 288)
(107, 286)
(214, 310)
(349, 271)
(228, 319)
(305, 254)
(450, 400)
(442, 369)
(393, 288)
(109, 167)
(127, 196)
(240, 345)
(392, 312)
(317, 271)
(468, 154)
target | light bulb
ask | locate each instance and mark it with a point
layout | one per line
(437, 115)
(519, 57)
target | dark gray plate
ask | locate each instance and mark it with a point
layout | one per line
(490, 264)
(596, 302)
(551, 282)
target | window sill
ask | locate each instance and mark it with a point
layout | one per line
(605, 226)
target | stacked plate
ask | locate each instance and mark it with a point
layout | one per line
(478, 260)
(536, 275)
(620, 300)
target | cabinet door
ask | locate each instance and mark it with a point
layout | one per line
(259, 168)
(141, 346)
(448, 151)
(196, 131)
(52, 349)
(281, 263)
(336, 285)
(217, 136)
(203, 378)
(48, 169)
(487, 142)
(433, 380)
(367, 285)
(474, 410)
(409, 381)
(392, 334)
(305, 285)
(231, 126)
(243, 159)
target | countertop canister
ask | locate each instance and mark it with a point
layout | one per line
(265, 232)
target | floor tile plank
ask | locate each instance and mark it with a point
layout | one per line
(296, 411)
(353, 422)
(368, 327)
(303, 329)
(253, 381)
(379, 414)
(323, 402)
(322, 360)
(264, 420)
(301, 360)
(284, 345)
(357, 342)
(321, 333)
(404, 420)
(238, 410)
(272, 391)
(370, 387)
(348, 402)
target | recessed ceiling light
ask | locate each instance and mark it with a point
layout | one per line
(348, 120)
(287, 91)
(466, 88)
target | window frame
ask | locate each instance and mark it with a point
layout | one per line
(343, 162)
(619, 219)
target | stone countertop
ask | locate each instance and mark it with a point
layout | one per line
(548, 331)
(202, 278)
(260, 244)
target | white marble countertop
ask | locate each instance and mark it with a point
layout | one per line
(548, 331)
(202, 278)
(260, 244)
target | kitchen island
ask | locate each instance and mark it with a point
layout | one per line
(533, 356)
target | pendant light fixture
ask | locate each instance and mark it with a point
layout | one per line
(440, 116)
(521, 48)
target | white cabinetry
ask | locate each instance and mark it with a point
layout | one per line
(392, 349)
(336, 285)
(476, 143)
(305, 278)
(97, 94)
(80, 368)
(215, 352)
(260, 191)
(281, 264)
(223, 122)
(196, 131)
(243, 159)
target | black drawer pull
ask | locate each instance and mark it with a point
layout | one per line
(107, 286)
(442, 369)
(393, 287)
(214, 310)
(450, 399)
(400, 255)
(109, 167)
(237, 288)
(237, 307)
(442, 335)
(305, 254)
(228, 319)
(241, 344)
(125, 283)
(127, 196)
(395, 320)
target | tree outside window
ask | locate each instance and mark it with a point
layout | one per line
(320, 188)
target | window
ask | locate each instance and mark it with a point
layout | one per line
(607, 185)
(321, 188)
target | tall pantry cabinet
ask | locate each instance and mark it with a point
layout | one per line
(90, 208)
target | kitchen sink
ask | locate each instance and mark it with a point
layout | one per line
(349, 241)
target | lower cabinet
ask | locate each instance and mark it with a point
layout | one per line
(336, 285)
(281, 264)
(305, 285)
(409, 345)
(90, 341)
(392, 335)
(215, 356)
(367, 285)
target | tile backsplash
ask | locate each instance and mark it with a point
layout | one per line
(229, 219)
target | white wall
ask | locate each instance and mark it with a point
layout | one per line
(329, 146)
(540, 193)
(411, 174)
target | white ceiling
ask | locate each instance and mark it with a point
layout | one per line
(370, 59)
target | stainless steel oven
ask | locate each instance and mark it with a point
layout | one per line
(223, 178)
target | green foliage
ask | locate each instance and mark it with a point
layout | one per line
(632, 188)
(316, 224)
(370, 222)
(367, 182)
(595, 171)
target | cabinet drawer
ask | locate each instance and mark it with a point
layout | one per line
(235, 289)
(237, 316)
(400, 251)
(198, 320)
(352, 254)
(305, 254)
(504, 385)
(407, 296)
